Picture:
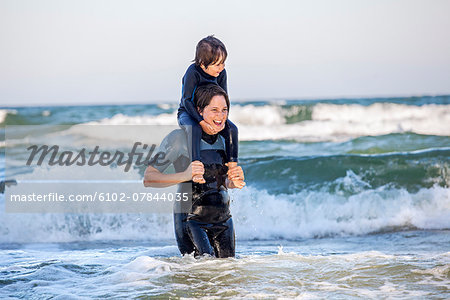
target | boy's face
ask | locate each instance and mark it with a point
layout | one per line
(214, 69)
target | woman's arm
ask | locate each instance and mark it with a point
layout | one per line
(154, 178)
(235, 184)
(235, 177)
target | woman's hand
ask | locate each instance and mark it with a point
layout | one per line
(207, 127)
(235, 175)
(195, 172)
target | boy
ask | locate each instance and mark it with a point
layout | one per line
(208, 67)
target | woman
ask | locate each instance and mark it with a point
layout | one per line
(204, 225)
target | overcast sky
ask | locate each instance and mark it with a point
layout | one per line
(136, 51)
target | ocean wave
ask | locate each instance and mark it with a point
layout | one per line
(318, 214)
(396, 143)
(324, 202)
(378, 112)
(412, 171)
(265, 115)
(257, 215)
(26, 116)
(333, 122)
(320, 122)
(121, 119)
(4, 114)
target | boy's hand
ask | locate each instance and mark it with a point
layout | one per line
(235, 175)
(207, 128)
(196, 171)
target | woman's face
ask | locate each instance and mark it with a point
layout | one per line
(216, 113)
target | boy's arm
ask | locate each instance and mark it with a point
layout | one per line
(222, 80)
(190, 82)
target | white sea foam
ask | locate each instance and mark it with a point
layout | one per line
(118, 135)
(329, 122)
(143, 264)
(267, 115)
(316, 213)
(168, 105)
(126, 273)
(123, 130)
(332, 122)
(257, 214)
(120, 119)
(440, 272)
(82, 180)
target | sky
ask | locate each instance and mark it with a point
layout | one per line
(62, 52)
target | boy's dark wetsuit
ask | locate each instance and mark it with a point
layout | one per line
(203, 226)
(188, 114)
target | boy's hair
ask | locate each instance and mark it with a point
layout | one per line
(209, 51)
(205, 93)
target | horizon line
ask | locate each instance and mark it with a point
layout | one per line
(242, 100)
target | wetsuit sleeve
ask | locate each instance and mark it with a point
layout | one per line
(171, 149)
(190, 82)
(163, 148)
(222, 80)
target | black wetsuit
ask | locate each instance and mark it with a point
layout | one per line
(188, 114)
(204, 225)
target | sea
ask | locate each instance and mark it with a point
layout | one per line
(345, 199)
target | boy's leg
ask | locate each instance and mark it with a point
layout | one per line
(194, 133)
(230, 134)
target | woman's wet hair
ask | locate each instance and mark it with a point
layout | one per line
(205, 93)
(210, 50)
